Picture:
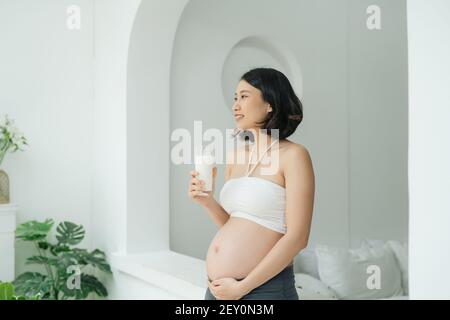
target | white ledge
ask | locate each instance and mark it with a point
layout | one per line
(182, 275)
(6, 208)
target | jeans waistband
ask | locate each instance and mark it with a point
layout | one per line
(289, 268)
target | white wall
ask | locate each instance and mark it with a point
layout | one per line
(378, 122)
(46, 81)
(429, 156)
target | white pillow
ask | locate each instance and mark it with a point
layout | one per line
(310, 288)
(401, 253)
(400, 250)
(372, 243)
(352, 273)
(306, 262)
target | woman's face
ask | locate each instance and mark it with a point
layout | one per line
(249, 106)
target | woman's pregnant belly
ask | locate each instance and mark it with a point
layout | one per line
(238, 247)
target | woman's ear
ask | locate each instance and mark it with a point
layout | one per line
(269, 109)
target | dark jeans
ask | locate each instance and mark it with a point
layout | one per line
(280, 287)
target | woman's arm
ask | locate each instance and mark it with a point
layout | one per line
(217, 213)
(300, 186)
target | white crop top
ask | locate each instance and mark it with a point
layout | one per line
(257, 199)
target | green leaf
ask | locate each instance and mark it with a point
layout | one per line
(41, 260)
(6, 291)
(32, 283)
(81, 289)
(34, 230)
(96, 258)
(56, 249)
(44, 245)
(36, 297)
(69, 233)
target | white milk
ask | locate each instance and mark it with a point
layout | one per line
(204, 166)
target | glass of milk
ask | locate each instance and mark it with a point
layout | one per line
(204, 165)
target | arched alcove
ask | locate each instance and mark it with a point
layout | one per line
(149, 122)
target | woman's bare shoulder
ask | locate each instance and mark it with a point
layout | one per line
(294, 152)
(292, 147)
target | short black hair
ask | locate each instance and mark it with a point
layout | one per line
(287, 109)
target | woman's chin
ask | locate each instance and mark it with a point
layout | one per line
(246, 128)
(241, 125)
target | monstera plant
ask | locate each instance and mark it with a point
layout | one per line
(65, 265)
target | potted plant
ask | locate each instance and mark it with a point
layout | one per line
(66, 275)
(11, 140)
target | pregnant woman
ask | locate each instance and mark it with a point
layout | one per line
(264, 219)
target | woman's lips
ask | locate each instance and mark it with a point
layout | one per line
(238, 117)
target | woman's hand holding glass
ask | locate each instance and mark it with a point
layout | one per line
(196, 189)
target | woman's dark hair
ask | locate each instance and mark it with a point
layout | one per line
(287, 109)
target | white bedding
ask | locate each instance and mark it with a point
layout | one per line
(342, 281)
